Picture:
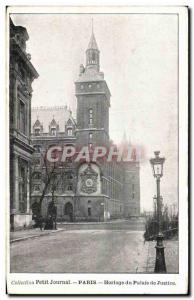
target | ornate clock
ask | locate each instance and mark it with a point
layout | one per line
(89, 180)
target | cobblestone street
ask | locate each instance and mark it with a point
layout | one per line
(101, 251)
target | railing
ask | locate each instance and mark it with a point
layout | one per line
(168, 234)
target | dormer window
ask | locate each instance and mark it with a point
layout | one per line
(37, 128)
(53, 127)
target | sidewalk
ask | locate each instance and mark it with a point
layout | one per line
(21, 235)
(171, 256)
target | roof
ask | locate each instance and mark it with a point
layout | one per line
(18, 29)
(92, 43)
(46, 114)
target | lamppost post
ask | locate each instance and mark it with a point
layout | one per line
(157, 165)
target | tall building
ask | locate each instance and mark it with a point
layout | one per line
(87, 190)
(21, 73)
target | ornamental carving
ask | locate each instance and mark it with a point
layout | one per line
(89, 180)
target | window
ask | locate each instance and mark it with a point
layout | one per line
(37, 188)
(37, 148)
(90, 116)
(133, 195)
(22, 189)
(93, 56)
(53, 131)
(36, 162)
(37, 131)
(90, 135)
(22, 118)
(37, 175)
(90, 145)
(89, 211)
(69, 132)
(70, 187)
(69, 159)
(69, 176)
(133, 187)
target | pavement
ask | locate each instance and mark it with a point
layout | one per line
(22, 235)
(87, 251)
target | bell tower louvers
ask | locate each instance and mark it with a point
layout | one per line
(93, 100)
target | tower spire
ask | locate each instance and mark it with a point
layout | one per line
(92, 25)
(92, 52)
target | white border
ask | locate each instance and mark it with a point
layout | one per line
(181, 279)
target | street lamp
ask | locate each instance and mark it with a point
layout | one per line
(157, 166)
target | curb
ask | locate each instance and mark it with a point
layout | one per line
(34, 236)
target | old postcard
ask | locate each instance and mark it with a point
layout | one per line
(98, 155)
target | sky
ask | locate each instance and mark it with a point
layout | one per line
(139, 58)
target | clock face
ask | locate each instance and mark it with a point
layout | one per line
(89, 182)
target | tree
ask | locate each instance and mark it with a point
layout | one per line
(49, 179)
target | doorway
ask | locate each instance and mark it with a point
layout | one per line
(69, 211)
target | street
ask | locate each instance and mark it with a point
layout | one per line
(82, 251)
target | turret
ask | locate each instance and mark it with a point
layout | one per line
(93, 54)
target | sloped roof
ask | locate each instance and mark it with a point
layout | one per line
(92, 43)
(37, 123)
(46, 114)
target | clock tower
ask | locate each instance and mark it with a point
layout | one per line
(93, 100)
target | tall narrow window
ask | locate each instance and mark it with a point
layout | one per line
(53, 131)
(90, 116)
(22, 118)
(37, 131)
(22, 190)
(90, 135)
(89, 211)
(69, 132)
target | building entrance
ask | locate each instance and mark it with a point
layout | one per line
(69, 211)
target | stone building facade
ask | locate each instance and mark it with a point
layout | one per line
(85, 191)
(21, 73)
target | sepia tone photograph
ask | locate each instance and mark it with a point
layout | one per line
(94, 143)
